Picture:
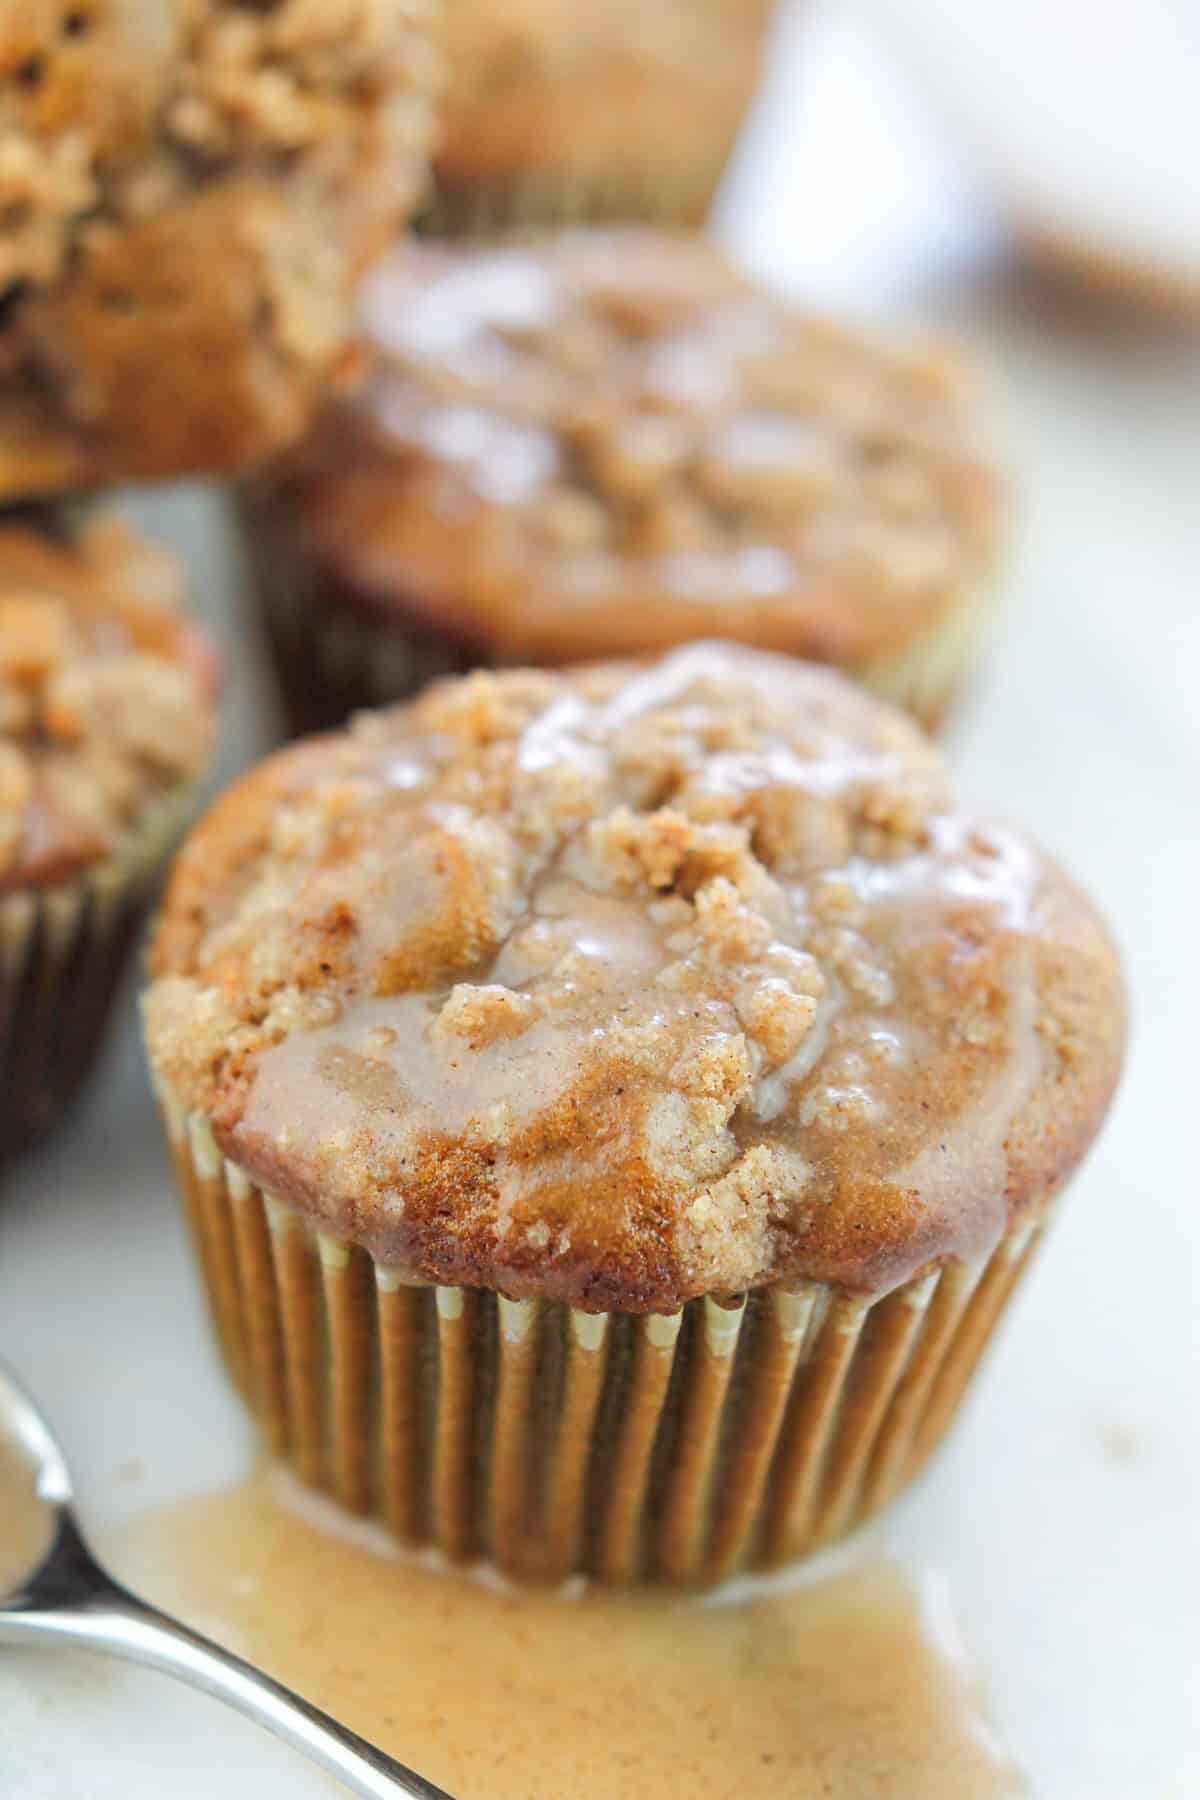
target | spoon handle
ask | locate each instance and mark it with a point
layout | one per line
(105, 1616)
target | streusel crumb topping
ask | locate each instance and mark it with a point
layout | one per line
(106, 694)
(215, 125)
(612, 440)
(628, 985)
(113, 108)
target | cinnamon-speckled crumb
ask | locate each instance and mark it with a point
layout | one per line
(548, 982)
(593, 107)
(188, 191)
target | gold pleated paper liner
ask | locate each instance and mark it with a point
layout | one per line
(925, 676)
(63, 950)
(553, 1442)
(334, 656)
(646, 195)
(660, 173)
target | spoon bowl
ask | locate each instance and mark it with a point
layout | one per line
(64, 1595)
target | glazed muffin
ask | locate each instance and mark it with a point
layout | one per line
(106, 723)
(613, 1107)
(599, 108)
(608, 443)
(189, 190)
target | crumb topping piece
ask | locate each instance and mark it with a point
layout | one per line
(629, 985)
(612, 440)
(105, 694)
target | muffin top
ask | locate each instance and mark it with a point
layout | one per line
(197, 180)
(105, 694)
(611, 441)
(627, 985)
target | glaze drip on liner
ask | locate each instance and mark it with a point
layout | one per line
(668, 981)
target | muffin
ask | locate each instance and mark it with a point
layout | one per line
(609, 443)
(189, 190)
(557, 111)
(106, 723)
(614, 1106)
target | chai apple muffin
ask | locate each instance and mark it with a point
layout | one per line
(106, 723)
(608, 443)
(614, 1106)
(572, 109)
(189, 190)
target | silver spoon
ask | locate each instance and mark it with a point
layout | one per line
(69, 1599)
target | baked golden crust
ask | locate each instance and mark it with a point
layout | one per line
(607, 443)
(623, 986)
(188, 192)
(106, 694)
(1119, 279)
(567, 108)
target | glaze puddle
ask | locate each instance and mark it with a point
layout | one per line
(850, 1686)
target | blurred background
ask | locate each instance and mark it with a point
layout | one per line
(1024, 173)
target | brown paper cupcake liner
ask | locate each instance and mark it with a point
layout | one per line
(647, 195)
(63, 951)
(553, 1442)
(333, 655)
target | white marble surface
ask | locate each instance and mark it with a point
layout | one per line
(1065, 1516)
